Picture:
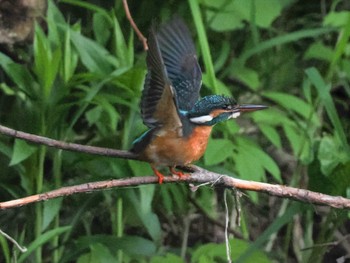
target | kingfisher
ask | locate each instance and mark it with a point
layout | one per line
(179, 121)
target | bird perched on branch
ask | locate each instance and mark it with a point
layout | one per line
(179, 122)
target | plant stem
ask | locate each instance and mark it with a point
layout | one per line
(38, 207)
(57, 164)
(120, 227)
(203, 42)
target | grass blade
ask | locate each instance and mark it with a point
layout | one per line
(324, 92)
(291, 37)
(203, 42)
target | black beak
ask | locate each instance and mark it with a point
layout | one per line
(250, 107)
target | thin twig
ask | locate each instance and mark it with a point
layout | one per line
(237, 198)
(134, 26)
(227, 220)
(22, 249)
(328, 244)
(214, 221)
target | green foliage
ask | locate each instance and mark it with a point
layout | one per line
(80, 81)
(217, 253)
(230, 15)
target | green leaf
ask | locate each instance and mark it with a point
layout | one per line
(131, 245)
(293, 103)
(41, 240)
(217, 253)
(125, 57)
(21, 151)
(110, 111)
(268, 164)
(284, 39)
(244, 165)
(323, 90)
(19, 74)
(143, 208)
(5, 250)
(341, 179)
(51, 209)
(98, 254)
(55, 15)
(233, 127)
(252, 153)
(272, 116)
(167, 258)
(94, 57)
(300, 144)
(102, 28)
(340, 48)
(93, 115)
(91, 93)
(248, 167)
(218, 150)
(336, 19)
(70, 57)
(330, 154)
(46, 61)
(222, 87)
(272, 10)
(248, 76)
(230, 15)
(271, 133)
(319, 51)
(222, 21)
(140, 168)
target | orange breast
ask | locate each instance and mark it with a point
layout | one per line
(168, 148)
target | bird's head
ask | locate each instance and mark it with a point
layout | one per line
(213, 109)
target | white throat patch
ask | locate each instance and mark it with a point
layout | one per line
(201, 119)
(235, 115)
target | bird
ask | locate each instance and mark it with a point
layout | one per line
(179, 121)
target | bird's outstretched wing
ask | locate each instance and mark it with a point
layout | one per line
(158, 103)
(179, 56)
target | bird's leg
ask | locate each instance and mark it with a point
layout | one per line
(158, 174)
(178, 173)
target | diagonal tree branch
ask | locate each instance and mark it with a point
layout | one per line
(66, 145)
(199, 176)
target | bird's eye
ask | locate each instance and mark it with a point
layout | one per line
(227, 107)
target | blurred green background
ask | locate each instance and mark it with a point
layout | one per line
(80, 80)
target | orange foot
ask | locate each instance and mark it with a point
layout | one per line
(178, 173)
(159, 174)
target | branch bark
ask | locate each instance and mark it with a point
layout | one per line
(66, 145)
(199, 176)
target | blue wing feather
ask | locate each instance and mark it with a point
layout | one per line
(179, 56)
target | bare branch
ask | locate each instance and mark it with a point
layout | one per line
(134, 26)
(199, 176)
(66, 145)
